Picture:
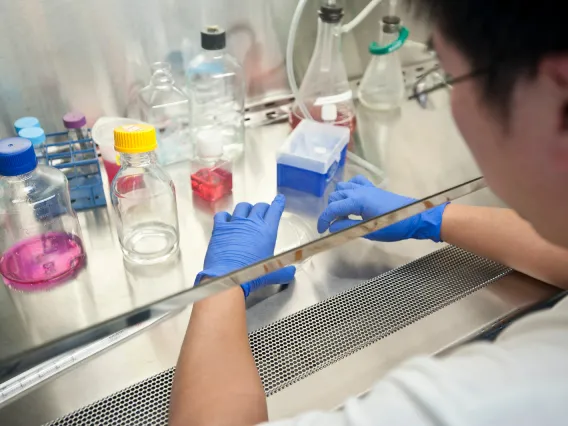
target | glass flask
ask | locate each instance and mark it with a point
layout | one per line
(211, 172)
(325, 82)
(40, 238)
(144, 198)
(216, 85)
(382, 86)
(166, 107)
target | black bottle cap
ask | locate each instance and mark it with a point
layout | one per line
(331, 14)
(391, 24)
(213, 38)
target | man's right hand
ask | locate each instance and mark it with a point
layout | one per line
(360, 197)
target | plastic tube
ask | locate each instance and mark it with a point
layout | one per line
(359, 18)
(290, 58)
(392, 7)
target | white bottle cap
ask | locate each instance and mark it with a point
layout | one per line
(329, 113)
(209, 144)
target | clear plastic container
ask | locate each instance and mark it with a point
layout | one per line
(103, 135)
(325, 82)
(25, 122)
(382, 87)
(40, 238)
(144, 199)
(211, 172)
(76, 125)
(311, 156)
(166, 107)
(36, 136)
(216, 85)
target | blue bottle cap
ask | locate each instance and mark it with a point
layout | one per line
(35, 135)
(17, 156)
(25, 122)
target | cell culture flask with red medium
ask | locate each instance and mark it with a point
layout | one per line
(211, 171)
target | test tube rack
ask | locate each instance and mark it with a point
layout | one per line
(79, 161)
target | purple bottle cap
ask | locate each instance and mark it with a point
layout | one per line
(74, 120)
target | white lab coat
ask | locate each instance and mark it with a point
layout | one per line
(520, 379)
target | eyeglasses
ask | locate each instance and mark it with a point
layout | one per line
(435, 79)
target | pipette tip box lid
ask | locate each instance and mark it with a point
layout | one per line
(311, 156)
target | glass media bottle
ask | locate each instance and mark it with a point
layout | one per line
(216, 84)
(36, 136)
(25, 122)
(76, 125)
(143, 197)
(326, 81)
(40, 238)
(166, 107)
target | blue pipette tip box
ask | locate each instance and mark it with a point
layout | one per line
(311, 156)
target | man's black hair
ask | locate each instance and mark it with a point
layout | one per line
(507, 37)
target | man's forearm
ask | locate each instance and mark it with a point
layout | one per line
(503, 236)
(216, 380)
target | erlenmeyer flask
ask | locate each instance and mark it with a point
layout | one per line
(325, 82)
(382, 86)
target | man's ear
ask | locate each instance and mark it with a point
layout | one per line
(554, 70)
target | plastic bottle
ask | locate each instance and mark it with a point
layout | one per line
(36, 136)
(40, 239)
(326, 81)
(216, 84)
(211, 173)
(144, 198)
(382, 86)
(166, 107)
(25, 122)
(76, 125)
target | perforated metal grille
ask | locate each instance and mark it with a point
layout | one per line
(299, 345)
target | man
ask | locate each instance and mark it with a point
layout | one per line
(509, 60)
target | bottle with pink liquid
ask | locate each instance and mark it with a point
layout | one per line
(40, 242)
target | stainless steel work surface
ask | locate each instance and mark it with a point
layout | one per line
(415, 162)
(327, 336)
(323, 276)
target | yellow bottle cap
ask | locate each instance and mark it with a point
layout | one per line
(135, 138)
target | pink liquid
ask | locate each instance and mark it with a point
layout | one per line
(111, 168)
(43, 261)
(212, 184)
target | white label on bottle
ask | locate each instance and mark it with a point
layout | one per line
(335, 99)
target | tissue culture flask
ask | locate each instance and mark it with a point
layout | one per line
(211, 171)
(212, 183)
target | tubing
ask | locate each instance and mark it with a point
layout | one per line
(359, 18)
(292, 39)
(290, 58)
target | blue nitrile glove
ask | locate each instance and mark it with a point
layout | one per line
(244, 238)
(360, 197)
